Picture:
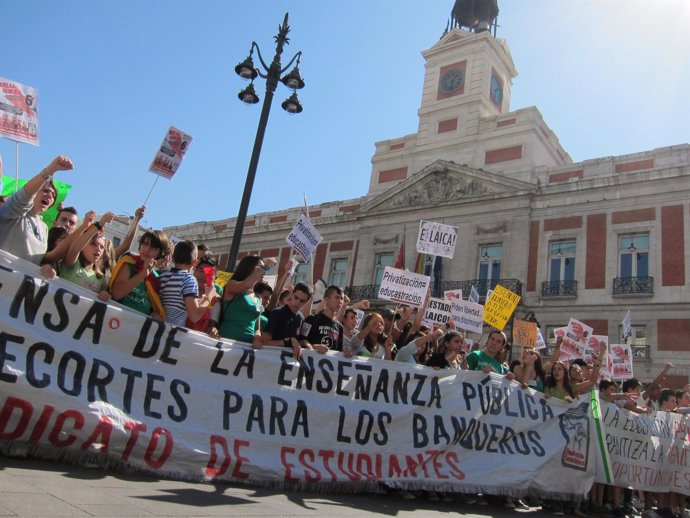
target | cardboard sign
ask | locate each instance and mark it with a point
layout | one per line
(499, 306)
(467, 315)
(524, 333)
(170, 154)
(436, 313)
(437, 239)
(403, 287)
(18, 112)
(452, 294)
(304, 238)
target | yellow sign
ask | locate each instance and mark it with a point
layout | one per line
(525, 333)
(499, 306)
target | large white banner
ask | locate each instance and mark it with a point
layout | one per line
(87, 378)
(647, 451)
(18, 112)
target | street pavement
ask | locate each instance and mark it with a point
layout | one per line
(38, 488)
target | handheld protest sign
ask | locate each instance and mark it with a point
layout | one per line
(499, 306)
(525, 333)
(468, 315)
(18, 112)
(474, 295)
(404, 287)
(304, 238)
(621, 360)
(575, 340)
(437, 239)
(170, 153)
(436, 313)
(452, 294)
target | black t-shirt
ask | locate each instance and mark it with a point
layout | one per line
(283, 323)
(319, 329)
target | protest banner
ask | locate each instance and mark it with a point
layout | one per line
(436, 239)
(621, 361)
(647, 452)
(541, 343)
(304, 238)
(452, 294)
(437, 313)
(596, 344)
(90, 379)
(467, 315)
(474, 295)
(524, 333)
(499, 306)
(404, 287)
(170, 153)
(575, 340)
(18, 112)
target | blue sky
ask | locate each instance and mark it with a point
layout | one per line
(609, 76)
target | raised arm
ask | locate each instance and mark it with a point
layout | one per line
(81, 241)
(59, 163)
(131, 232)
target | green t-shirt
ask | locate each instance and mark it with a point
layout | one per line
(137, 299)
(77, 274)
(477, 360)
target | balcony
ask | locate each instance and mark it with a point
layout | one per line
(370, 291)
(633, 286)
(559, 289)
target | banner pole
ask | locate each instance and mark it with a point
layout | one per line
(149, 195)
(16, 166)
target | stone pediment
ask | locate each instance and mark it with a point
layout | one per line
(445, 182)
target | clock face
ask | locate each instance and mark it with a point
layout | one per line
(452, 80)
(496, 90)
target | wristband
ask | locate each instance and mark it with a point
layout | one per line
(46, 177)
(98, 226)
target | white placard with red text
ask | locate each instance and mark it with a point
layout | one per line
(18, 112)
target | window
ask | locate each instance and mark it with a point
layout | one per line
(637, 341)
(490, 257)
(562, 261)
(116, 241)
(302, 273)
(633, 251)
(382, 260)
(338, 273)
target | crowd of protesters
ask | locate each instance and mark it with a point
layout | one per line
(178, 284)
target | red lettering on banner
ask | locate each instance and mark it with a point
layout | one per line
(153, 443)
(311, 474)
(452, 459)
(12, 403)
(58, 428)
(103, 429)
(212, 471)
(42, 424)
(288, 466)
(135, 428)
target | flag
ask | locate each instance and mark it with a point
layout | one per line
(627, 325)
(400, 261)
(50, 214)
(437, 273)
(420, 263)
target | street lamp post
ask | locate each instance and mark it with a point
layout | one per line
(272, 74)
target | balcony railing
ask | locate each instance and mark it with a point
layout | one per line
(633, 286)
(559, 289)
(370, 291)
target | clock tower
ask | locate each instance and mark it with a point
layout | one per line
(465, 117)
